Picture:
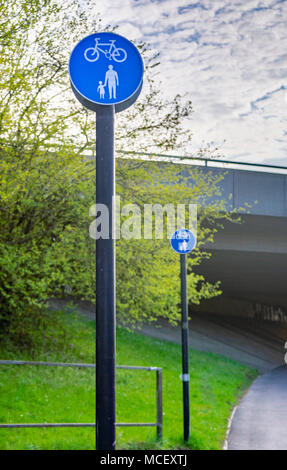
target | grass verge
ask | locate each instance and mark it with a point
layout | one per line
(52, 394)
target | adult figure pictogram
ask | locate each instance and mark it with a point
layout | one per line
(112, 80)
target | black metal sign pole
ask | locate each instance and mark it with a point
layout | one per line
(105, 285)
(116, 97)
(184, 342)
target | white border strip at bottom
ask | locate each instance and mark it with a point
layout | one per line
(225, 445)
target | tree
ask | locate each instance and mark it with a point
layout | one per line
(47, 181)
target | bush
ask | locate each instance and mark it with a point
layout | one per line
(24, 318)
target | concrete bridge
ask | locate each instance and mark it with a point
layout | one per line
(250, 258)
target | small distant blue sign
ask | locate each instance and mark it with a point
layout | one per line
(183, 241)
(105, 69)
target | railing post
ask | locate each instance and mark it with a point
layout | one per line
(159, 403)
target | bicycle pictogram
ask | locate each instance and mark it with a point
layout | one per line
(182, 235)
(109, 49)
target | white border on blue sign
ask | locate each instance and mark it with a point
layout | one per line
(173, 237)
(118, 102)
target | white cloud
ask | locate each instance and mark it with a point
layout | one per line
(227, 55)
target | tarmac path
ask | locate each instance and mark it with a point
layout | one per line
(260, 420)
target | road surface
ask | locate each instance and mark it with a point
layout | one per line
(260, 420)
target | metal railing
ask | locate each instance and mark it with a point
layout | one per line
(159, 410)
(208, 162)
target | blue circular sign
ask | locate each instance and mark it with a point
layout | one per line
(183, 241)
(106, 69)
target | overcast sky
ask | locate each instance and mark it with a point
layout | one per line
(231, 59)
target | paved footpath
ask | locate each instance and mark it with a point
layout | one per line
(260, 420)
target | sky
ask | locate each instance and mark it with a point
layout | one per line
(229, 57)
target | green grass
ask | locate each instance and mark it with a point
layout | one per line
(54, 394)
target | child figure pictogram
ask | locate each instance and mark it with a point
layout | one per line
(101, 89)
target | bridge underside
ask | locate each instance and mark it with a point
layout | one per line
(250, 260)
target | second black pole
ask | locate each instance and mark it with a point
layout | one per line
(185, 349)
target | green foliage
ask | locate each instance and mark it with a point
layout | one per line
(148, 283)
(24, 318)
(47, 185)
